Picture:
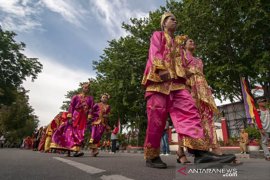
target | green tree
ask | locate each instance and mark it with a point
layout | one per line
(14, 66)
(233, 40)
(18, 119)
(17, 116)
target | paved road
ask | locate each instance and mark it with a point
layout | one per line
(29, 165)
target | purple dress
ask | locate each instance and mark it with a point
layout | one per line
(71, 135)
(99, 123)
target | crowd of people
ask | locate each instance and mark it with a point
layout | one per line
(66, 132)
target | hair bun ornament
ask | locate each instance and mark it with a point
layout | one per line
(85, 84)
(106, 94)
(180, 39)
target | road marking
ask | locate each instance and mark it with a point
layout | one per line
(83, 167)
(114, 177)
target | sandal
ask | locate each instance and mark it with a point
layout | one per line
(236, 162)
(178, 160)
(95, 153)
(217, 151)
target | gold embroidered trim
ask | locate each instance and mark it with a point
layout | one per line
(151, 76)
(198, 144)
(93, 146)
(151, 153)
(165, 87)
(91, 140)
(159, 64)
(56, 146)
(171, 62)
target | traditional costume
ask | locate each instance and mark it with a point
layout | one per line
(57, 121)
(70, 135)
(99, 124)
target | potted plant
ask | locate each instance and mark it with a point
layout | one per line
(254, 137)
(122, 141)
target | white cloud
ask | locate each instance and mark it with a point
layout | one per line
(14, 23)
(112, 13)
(48, 91)
(19, 15)
(24, 15)
(14, 7)
(71, 12)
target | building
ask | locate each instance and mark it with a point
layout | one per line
(235, 116)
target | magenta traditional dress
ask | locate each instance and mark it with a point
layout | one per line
(205, 103)
(167, 96)
(71, 135)
(57, 121)
(41, 144)
(99, 123)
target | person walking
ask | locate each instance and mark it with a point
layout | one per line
(265, 126)
(166, 93)
(70, 135)
(114, 138)
(99, 123)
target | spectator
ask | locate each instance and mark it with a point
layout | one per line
(265, 129)
(243, 141)
(114, 138)
(165, 148)
(2, 141)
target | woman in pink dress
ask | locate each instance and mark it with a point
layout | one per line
(70, 135)
(100, 122)
(57, 121)
(202, 94)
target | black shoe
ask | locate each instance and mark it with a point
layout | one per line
(222, 155)
(156, 163)
(78, 154)
(207, 157)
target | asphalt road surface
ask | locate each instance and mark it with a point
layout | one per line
(20, 164)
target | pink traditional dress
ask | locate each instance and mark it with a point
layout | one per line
(167, 96)
(99, 123)
(71, 135)
(205, 103)
(57, 121)
(41, 144)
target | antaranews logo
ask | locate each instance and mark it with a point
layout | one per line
(182, 170)
(223, 171)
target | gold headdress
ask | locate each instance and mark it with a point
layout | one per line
(163, 17)
(106, 94)
(181, 39)
(85, 84)
(88, 83)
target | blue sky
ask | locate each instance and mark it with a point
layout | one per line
(66, 36)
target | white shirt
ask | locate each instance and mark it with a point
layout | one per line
(265, 119)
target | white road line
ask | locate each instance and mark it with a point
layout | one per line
(83, 167)
(114, 177)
